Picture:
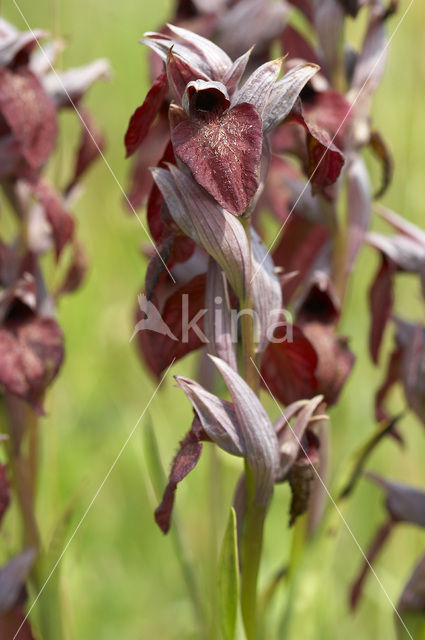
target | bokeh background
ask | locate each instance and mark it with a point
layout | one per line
(119, 576)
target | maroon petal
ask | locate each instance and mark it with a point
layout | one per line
(184, 462)
(60, 220)
(301, 242)
(234, 74)
(335, 359)
(331, 111)
(31, 353)
(371, 555)
(223, 155)
(13, 620)
(76, 271)
(319, 301)
(143, 117)
(381, 300)
(210, 226)
(325, 160)
(392, 376)
(182, 307)
(288, 367)
(148, 155)
(92, 142)
(296, 46)
(30, 114)
(179, 74)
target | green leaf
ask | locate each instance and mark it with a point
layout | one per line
(228, 580)
(48, 570)
(158, 480)
(153, 459)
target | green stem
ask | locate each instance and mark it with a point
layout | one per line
(252, 535)
(251, 556)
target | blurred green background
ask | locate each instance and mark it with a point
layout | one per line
(119, 576)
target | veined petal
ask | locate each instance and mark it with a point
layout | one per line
(210, 226)
(179, 74)
(258, 433)
(14, 42)
(407, 254)
(218, 59)
(290, 441)
(266, 291)
(197, 51)
(403, 226)
(234, 74)
(217, 417)
(73, 83)
(251, 21)
(284, 94)
(223, 154)
(257, 88)
(161, 44)
(218, 320)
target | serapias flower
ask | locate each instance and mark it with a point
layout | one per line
(242, 428)
(217, 126)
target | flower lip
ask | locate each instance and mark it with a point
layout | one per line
(202, 98)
